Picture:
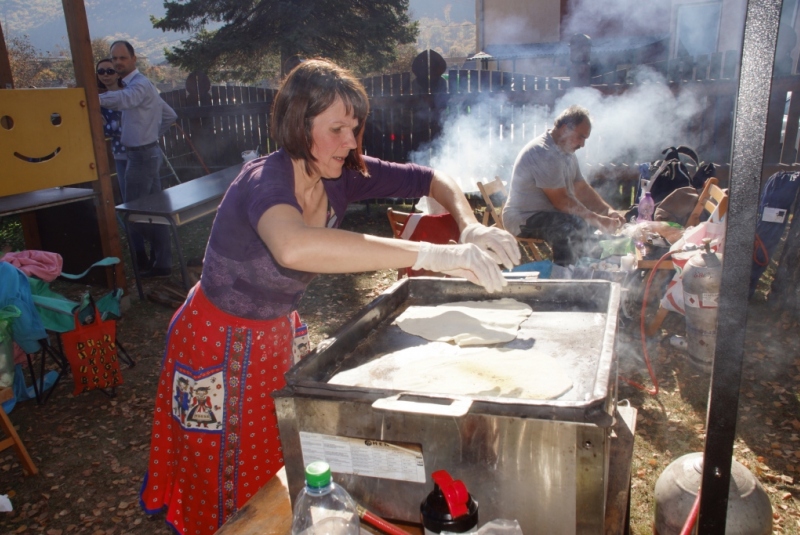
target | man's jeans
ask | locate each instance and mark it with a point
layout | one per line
(568, 235)
(141, 179)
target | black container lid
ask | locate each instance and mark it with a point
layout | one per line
(449, 507)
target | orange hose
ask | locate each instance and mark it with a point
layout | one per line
(691, 520)
(376, 521)
(652, 391)
(760, 247)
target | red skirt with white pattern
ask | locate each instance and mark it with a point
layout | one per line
(215, 436)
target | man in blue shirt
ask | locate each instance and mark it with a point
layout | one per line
(145, 118)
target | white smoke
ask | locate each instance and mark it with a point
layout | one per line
(483, 141)
(620, 17)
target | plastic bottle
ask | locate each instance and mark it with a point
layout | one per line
(646, 207)
(322, 507)
(449, 507)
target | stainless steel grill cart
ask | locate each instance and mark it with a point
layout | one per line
(541, 462)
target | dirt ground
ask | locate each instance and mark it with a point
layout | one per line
(92, 450)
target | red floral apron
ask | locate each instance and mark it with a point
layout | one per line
(215, 437)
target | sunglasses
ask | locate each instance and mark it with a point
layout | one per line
(103, 72)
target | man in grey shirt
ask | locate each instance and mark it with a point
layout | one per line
(145, 118)
(548, 197)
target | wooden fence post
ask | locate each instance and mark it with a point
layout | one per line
(201, 131)
(580, 51)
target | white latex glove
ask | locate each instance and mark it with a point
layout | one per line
(497, 242)
(461, 260)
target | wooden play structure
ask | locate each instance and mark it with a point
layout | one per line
(51, 139)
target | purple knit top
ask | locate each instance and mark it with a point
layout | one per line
(240, 275)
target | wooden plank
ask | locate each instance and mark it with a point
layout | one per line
(83, 63)
(13, 440)
(405, 86)
(239, 127)
(789, 150)
(397, 84)
(777, 103)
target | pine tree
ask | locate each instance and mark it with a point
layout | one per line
(250, 39)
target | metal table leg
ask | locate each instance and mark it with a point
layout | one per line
(184, 271)
(134, 261)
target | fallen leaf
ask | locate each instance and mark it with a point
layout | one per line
(786, 496)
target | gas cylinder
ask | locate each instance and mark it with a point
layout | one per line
(701, 281)
(749, 511)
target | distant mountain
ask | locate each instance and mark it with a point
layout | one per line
(43, 21)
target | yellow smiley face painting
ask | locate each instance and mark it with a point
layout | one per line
(45, 140)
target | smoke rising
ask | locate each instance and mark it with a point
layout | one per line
(482, 141)
(617, 17)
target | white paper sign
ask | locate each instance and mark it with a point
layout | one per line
(773, 215)
(365, 457)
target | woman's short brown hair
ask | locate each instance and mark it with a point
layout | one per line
(310, 89)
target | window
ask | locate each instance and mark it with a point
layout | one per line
(698, 29)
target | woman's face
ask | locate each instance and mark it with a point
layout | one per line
(109, 80)
(332, 138)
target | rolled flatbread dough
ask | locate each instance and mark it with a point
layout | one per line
(446, 369)
(467, 323)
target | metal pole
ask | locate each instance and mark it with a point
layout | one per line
(750, 121)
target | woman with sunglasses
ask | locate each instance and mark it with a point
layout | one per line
(109, 80)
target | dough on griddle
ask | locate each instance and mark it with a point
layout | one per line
(467, 323)
(446, 369)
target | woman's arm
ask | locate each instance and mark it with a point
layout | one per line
(295, 245)
(446, 192)
(501, 245)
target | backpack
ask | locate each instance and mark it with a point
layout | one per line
(670, 174)
(776, 205)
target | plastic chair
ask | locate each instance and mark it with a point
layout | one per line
(494, 195)
(440, 228)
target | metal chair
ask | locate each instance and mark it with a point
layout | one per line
(57, 314)
(28, 330)
(494, 195)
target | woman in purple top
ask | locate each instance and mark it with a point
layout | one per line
(277, 226)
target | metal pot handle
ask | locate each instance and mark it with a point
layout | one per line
(454, 406)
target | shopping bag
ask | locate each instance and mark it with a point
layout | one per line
(91, 351)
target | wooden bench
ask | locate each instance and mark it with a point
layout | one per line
(177, 206)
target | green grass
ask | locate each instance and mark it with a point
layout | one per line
(11, 233)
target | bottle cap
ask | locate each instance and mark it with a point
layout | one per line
(318, 474)
(455, 492)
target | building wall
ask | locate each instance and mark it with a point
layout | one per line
(512, 22)
(731, 24)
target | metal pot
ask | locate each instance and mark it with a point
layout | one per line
(749, 509)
